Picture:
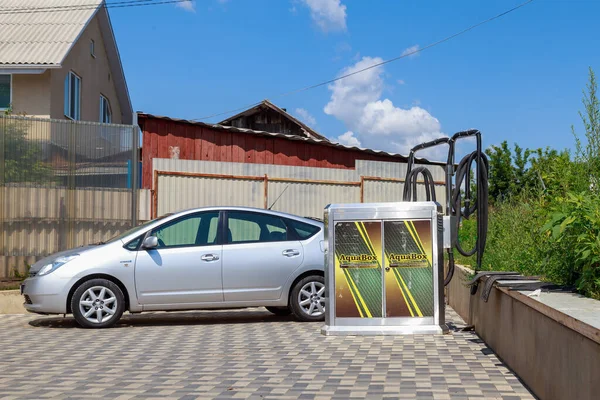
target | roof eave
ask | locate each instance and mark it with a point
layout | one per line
(27, 67)
(81, 32)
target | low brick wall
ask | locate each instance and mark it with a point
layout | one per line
(11, 302)
(555, 355)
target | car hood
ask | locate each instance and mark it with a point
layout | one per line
(65, 253)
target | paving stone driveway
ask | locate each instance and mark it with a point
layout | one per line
(241, 354)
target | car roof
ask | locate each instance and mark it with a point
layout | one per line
(310, 220)
(171, 216)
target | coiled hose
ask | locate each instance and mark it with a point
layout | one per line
(479, 206)
(410, 184)
(455, 200)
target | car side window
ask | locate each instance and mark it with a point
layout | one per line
(249, 227)
(135, 243)
(302, 230)
(192, 230)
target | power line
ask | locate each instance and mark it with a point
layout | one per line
(404, 55)
(89, 6)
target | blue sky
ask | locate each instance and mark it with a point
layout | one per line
(519, 78)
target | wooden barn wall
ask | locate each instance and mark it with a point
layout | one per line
(172, 139)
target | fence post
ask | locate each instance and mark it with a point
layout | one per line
(71, 184)
(2, 184)
(362, 189)
(266, 202)
(134, 175)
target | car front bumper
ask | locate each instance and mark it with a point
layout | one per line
(45, 294)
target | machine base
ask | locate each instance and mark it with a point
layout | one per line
(384, 330)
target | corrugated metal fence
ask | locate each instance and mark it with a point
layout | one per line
(181, 184)
(63, 184)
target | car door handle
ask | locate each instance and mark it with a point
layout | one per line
(291, 253)
(209, 257)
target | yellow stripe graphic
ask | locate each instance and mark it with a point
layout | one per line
(362, 301)
(349, 287)
(412, 299)
(369, 242)
(360, 311)
(412, 314)
(365, 236)
(413, 232)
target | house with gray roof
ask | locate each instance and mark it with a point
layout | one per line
(59, 59)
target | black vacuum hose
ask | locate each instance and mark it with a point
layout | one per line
(454, 195)
(479, 206)
(410, 184)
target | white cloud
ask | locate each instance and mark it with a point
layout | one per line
(411, 50)
(305, 117)
(401, 82)
(357, 102)
(343, 47)
(348, 139)
(329, 15)
(188, 5)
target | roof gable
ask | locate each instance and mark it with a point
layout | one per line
(267, 105)
(41, 38)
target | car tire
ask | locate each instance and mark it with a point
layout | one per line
(97, 303)
(307, 299)
(281, 311)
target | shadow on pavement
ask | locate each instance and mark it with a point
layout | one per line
(175, 318)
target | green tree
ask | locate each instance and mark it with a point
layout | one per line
(23, 158)
(501, 171)
(509, 174)
(588, 154)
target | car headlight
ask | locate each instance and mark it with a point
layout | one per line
(59, 262)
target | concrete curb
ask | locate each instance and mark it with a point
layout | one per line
(11, 302)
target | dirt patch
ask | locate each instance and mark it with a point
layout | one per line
(10, 284)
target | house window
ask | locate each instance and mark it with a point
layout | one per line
(105, 112)
(92, 48)
(73, 96)
(5, 91)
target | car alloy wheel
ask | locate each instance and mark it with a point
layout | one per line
(98, 304)
(311, 299)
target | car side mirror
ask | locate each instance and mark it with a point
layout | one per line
(151, 242)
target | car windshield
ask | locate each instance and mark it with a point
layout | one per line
(134, 229)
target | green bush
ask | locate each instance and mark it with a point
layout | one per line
(573, 229)
(513, 241)
(544, 216)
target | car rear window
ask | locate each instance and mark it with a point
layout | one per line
(303, 230)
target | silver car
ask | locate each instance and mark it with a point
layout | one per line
(205, 258)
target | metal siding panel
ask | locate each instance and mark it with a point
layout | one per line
(261, 146)
(180, 193)
(163, 131)
(250, 149)
(279, 156)
(297, 199)
(197, 137)
(269, 153)
(309, 200)
(208, 145)
(237, 150)
(225, 149)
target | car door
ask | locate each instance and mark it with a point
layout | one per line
(185, 269)
(259, 255)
